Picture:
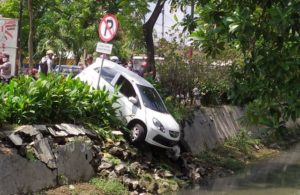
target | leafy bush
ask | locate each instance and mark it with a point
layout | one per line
(243, 141)
(55, 99)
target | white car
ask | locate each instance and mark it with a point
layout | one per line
(140, 105)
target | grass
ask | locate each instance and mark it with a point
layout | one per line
(110, 187)
(234, 154)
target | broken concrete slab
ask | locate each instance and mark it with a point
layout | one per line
(55, 133)
(15, 139)
(60, 154)
(27, 129)
(73, 161)
(77, 130)
(44, 153)
(70, 129)
(21, 176)
(41, 128)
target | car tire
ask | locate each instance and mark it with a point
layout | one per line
(137, 133)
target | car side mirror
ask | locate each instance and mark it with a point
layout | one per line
(133, 100)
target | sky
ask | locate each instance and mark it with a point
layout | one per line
(169, 20)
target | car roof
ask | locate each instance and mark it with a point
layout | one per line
(132, 76)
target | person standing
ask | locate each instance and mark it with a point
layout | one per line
(46, 63)
(1, 62)
(5, 68)
(88, 60)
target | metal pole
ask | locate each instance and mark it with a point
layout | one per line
(98, 83)
(19, 37)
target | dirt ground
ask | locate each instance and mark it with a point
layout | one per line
(74, 189)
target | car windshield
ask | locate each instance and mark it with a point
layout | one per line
(151, 99)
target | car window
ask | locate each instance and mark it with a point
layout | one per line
(151, 99)
(126, 87)
(107, 74)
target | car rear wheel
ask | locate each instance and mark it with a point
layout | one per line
(137, 134)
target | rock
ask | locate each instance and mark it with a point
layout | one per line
(135, 184)
(44, 152)
(112, 175)
(104, 165)
(117, 133)
(120, 169)
(19, 174)
(163, 187)
(118, 152)
(156, 176)
(168, 174)
(27, 129)
(74, 161)
(201, 170)
(71, 187)
(132, 184)
(104, 173)
(97, 148)
(274, 146)
(196, 177)
(135, 167)
(15, 139)
(134, 193)
(256, 147)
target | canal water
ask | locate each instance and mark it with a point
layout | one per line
(279, 175)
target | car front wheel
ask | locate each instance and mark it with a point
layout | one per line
(137, 134)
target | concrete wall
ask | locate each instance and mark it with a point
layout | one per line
(211, 126)
(19, 175)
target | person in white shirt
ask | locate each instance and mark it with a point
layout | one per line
(46, 63)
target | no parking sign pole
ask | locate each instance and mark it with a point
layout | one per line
(107, 30)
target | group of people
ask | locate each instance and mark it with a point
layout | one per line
(5, 67)
(46, 65)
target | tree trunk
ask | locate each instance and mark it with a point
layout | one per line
(148, 30)
(30, 46)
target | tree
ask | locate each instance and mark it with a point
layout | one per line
(267, 34)
(148, 28)
(30, 36)
(148, 37)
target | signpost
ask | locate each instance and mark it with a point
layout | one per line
(107, 30)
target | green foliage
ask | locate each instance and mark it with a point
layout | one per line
(243, 141)
(109, 186)
(55, 99)
(179, 75)
(267, 35)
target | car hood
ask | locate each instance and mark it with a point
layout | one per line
(166, 119)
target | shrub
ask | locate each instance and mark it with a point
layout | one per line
(55, 99)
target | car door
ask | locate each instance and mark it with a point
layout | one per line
(128, 110)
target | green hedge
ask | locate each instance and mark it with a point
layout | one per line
(54, 99)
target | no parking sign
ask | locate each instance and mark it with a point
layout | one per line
(108, 27)
(107, 30)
